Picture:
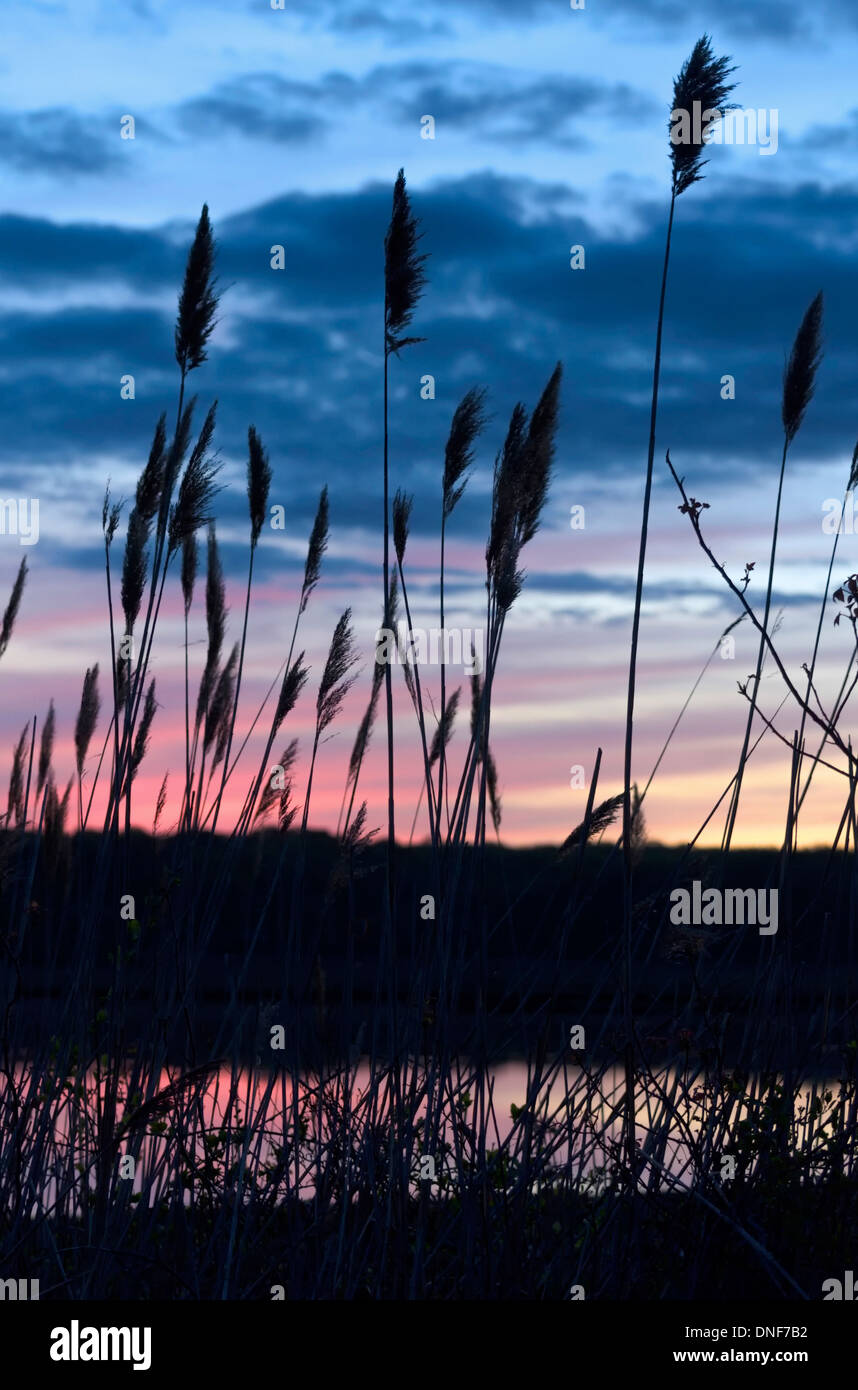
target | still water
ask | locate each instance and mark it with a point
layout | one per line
(239, 1122)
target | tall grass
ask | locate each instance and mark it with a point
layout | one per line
(300, 1046)
(703, 78)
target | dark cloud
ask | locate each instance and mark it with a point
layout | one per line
(263, 106)
(764, 19)
(57, 142)
(828, 139)
(484, 100)
(298, 354)
(390, 25)
(62, 143)
(35, 252)
(495, 103)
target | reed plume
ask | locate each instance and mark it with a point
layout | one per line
(191, 510)
(167, 1099)
(198, 300)
(537, 458)
(46, 748)
(172, 466)
(316, 548)
(219, 709)
(404, 276)
(190, 563)
(215, 623)
(160, 804)
(509, 580)
(494, 795)
(356, 838)
(287, 809)
(258, 484)
(522, 475)
(801, 369)
(134, 568)
(215, 722)
(505, 492)
(11, 611)
(600, 818)
(109, 517)
(148, 495)
(402, 505)
(853, 471)
(147, 501)
(337, 680)
(15, 801)
(87, 716)
(293, 683)
(703, 79)
(444, 728)
(469, 420)
(273, 793)
(121, 681)
(141, 738)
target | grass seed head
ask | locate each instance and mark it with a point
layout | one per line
(703, 79)
(801, 369)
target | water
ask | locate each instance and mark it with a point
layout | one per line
(239, 1121)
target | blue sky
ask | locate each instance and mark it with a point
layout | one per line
(550, 130)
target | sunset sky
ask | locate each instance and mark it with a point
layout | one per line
(550, 131)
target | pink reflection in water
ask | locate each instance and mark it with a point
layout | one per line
(236, 1125)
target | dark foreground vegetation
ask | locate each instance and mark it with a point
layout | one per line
(534, 953)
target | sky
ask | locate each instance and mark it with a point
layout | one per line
(550, 131)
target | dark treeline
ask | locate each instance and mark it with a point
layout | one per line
(540, 973)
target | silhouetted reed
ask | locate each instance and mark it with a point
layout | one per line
(307, 1166)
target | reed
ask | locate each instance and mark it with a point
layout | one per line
(307, 1164)
(404, 279)
(703, 77)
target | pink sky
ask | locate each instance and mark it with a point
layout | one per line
(559, 694)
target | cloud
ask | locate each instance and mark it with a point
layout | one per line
(368, 20)
(297, 351)
(262, 105)
(57, 141)
(486, 101)
(491, 102)
(821, 140)
(765, 19)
